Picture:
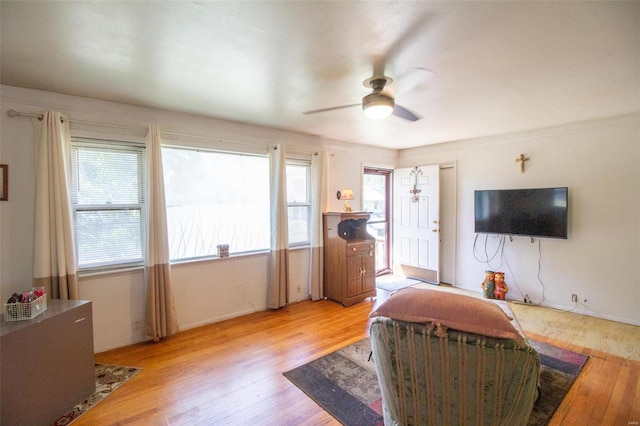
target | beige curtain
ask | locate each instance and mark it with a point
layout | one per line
(318, 206)
(278, 285)
(54, 261)
(161, 320)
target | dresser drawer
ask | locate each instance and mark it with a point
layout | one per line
(360, 247)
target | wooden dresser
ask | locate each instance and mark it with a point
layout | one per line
(349, 257)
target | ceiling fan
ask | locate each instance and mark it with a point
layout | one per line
(376, 105)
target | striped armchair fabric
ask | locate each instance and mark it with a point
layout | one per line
(457, 379)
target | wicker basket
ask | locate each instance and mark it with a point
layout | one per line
(25, 311)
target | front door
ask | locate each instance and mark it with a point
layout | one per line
(416, 236)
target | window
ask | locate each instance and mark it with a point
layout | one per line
(298, 202)
(108, 203)
(215, 198)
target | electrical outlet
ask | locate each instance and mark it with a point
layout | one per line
(135, 325)
(574, 298)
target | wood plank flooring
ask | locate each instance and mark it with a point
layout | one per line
(230, 373)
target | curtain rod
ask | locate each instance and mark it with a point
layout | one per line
(223, 140)
(13, 113)
(294, 150)
(214, 138)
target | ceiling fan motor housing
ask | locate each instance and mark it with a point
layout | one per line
(377, 100)
(376, 104)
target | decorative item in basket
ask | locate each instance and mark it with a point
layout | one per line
(26, 305)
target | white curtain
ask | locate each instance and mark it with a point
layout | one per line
(161, 320)
(54, 262)
(318, 206)
(278, 285)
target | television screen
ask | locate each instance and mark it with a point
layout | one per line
(538, 212)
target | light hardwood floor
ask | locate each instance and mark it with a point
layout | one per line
(230, 373)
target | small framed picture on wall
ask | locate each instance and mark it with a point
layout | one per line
(4, 182)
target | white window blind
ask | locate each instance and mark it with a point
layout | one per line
(298, 202)
(108, 203)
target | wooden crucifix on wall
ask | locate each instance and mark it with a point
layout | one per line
(521, 160)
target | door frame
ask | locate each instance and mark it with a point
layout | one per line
(387, 170)
(451, 236)
(411, 269)
(449, 239)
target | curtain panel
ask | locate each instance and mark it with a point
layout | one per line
(318, 206)
(54, 261)
(278, 285)
(161, 319)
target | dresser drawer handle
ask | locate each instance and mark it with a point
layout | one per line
(81, 319)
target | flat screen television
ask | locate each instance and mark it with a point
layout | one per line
(536, 212)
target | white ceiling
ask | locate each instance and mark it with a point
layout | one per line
(495, 67)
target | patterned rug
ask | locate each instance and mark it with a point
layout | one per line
(345, 384)
(394, 282)
(108, 379)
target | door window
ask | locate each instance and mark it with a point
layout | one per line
(376, 199)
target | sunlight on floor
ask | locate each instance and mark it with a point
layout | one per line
(611, 337)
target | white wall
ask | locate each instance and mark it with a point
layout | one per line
(205, 291)
(599, 161)
(600, 261)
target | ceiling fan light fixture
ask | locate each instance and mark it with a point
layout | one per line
(377, 106)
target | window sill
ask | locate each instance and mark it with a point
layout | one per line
(115, 270)
(231, 256)
(217, 258)
(110, 271)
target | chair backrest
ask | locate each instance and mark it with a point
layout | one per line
(432, 376)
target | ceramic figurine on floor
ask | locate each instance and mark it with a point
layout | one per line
(501, 288)
(488, 285)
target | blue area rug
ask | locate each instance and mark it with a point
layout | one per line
(345, 383)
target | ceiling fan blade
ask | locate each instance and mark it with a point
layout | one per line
(402, 112)
(412, 79)
(330, 109)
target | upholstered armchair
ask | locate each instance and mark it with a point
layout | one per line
(449, 359)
